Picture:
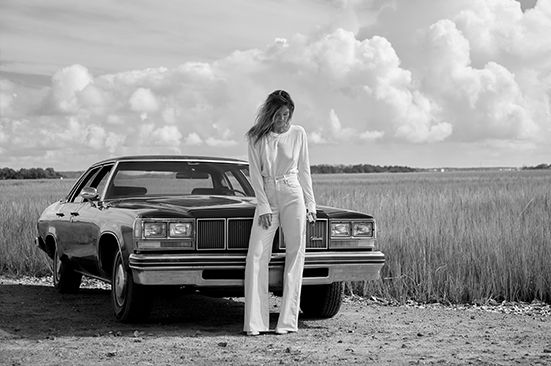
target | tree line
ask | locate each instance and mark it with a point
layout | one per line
(539, 166)
(359, 168)
(32, 173)
(50, 173)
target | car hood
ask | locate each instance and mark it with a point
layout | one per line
(189, 206)
(211, 206)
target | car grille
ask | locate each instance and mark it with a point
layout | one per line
(233, 234)
(316, 236)
(239, 231)
(211, 234)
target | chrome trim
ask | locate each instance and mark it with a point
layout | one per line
(319, 257)
(349, 243)
(188, 270)
(109, 180)
(142, 249)
(185, 160)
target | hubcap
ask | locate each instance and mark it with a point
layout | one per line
(120, 284)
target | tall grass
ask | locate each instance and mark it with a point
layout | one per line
(21, 202)
(453, 237)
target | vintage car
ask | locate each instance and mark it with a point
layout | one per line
(148, 222)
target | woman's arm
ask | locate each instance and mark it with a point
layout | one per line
(263, 206)
(304, 176)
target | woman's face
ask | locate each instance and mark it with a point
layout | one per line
(281, 119)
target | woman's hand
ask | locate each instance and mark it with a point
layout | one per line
(311, 217)
(265, 220)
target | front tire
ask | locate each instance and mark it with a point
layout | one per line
(131, 302)
(321, 301)
(66, 280)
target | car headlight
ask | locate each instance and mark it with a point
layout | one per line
(362, 229)
(154, 230)
(164, 234)
(340, 229)
(180, 229)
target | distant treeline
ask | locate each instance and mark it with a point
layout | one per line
(32, 173)
(540, 166)
(360, 168)
(50, 173)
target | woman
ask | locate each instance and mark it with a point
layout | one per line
(280, 176)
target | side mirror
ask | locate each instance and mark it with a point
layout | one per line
(89, 194)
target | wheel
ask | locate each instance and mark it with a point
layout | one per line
(131, 302)
(321, 301)
(66, 280)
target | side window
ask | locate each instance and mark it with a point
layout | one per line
(96, 179)
(100, 181)
(86, 182)
(234, 183)
(237, 178)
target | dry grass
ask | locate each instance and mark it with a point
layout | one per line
(457, 237)
(21, 202)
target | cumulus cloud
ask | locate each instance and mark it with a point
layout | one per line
(193, 139)
(66, 84)
(467, 72)
(7, 96)
(144, 101)
(223, 138)
(367, 75)
(168, 135)
(488, 101)
(498, 29)
(336, 133)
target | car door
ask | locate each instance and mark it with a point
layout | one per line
(82, 224)
(63, 226)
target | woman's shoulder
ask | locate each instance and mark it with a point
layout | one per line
(298, 129)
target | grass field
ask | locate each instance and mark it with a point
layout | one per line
(21, 202)
(457, 236)
(452, 237)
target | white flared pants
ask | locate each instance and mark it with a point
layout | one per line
(288, 211)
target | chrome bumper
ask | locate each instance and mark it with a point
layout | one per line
(227, 270)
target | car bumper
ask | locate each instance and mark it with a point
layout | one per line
(227, 270)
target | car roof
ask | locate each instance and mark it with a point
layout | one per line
(171, 158)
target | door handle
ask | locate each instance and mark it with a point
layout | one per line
(60, 214)
(74, 213)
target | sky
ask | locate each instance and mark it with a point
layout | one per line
(447, 83)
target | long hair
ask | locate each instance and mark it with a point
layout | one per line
(264, 118)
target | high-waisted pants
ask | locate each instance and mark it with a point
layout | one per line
(288, 211)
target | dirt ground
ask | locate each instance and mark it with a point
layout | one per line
(39, 326)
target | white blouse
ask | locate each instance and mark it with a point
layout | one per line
(277, 155)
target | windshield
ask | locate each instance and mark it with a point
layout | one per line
(176, 178)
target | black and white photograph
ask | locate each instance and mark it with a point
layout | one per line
(275, 182)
